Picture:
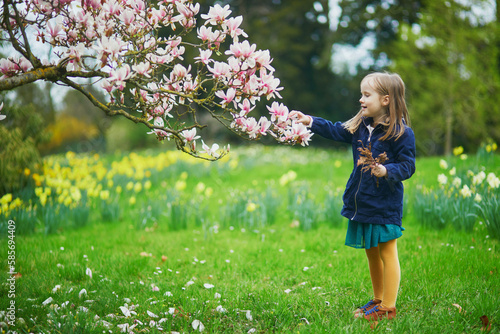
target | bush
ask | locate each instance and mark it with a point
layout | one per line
(20, 133)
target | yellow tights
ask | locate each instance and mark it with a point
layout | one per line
(385, 272)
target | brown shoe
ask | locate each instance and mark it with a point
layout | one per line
(368, 306)
(378, 312)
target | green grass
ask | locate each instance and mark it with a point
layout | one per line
(252, 269)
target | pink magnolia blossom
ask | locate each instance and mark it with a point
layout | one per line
(143, 68)
(112, 7)
(299, 133)
(120, 76)
(245, 107)
(233, 25)
(127, 16)
(270, 85)
(204, 57)
(241, 50)
(216, 14)
(190, 135)
(179, 72)
(226, 97)
(264, 125)
(211, 151)
(220, 69)
(279, 112)
(56, 30)
(251, 127)
(263, 59)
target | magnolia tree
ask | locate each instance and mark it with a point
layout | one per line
(148, 78)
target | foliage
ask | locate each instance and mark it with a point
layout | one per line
(452, 51)
(70, 133)
(490, 212)
(19, 135)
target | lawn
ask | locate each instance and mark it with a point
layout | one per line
(236, 268)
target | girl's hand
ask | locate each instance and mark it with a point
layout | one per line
(379, 170)
(300, 117)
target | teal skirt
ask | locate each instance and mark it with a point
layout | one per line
(361, 235)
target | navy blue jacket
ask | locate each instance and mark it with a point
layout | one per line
(364, 201)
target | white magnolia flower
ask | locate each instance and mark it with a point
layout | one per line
(56, 288)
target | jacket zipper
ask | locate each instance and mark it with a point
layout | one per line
(360, 179)
(356, 196)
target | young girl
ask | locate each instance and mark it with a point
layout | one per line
(373, 199)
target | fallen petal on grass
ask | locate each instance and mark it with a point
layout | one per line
(198, 326)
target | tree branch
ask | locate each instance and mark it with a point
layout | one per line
(51, 73)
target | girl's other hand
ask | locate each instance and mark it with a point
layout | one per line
(300, 117)
(379, 170)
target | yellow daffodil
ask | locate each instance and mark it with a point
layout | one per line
(130, 185)
(200, 187)
(67, 201)
(118, 190)
(132, 200)
(43, 199)
(147, 185)
(27, 172)
(180, 185)
(458, 150)
(137, 187)
(184, 175)
(209, 191)
(443, 164)
(6, 199)
(38, 191)
(251, 207)
(104, 195)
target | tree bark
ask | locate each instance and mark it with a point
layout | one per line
(44, 73)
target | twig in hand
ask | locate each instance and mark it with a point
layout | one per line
(367, 160)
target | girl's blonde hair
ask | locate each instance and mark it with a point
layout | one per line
(392, 85)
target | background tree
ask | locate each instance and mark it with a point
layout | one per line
(122, 45)
(452, 54)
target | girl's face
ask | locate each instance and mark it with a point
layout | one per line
(372, 104)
